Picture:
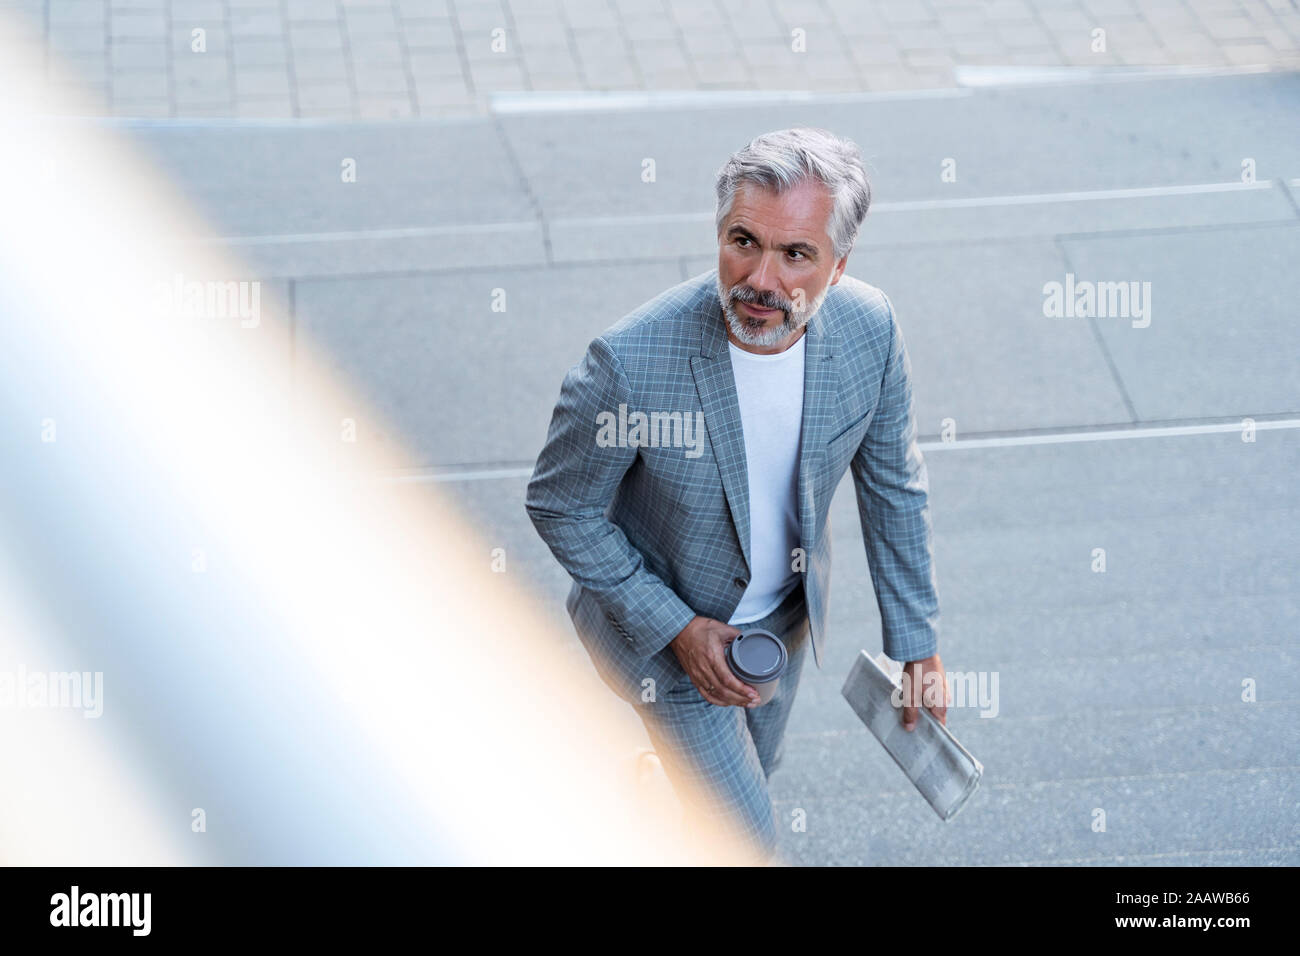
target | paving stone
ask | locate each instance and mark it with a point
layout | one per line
(1244, 54)
(428, 33)
(556, 81)
(315, 36)
(140, 85)
(199, 11)
(86, 13)
(1024, 36)
(258, 53)
(1231, 28)
(144, 108)
(377, 81)
(382, 107)
(264, 107)
(139, 55)
(136, 26)
(677, 45)
(256, 23)
(260, 84)
(324, 95)
(78, 38)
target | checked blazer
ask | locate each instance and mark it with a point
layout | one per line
(653, 536)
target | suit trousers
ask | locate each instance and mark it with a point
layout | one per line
(727, 754)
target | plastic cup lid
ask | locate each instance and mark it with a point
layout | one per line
(757, 655)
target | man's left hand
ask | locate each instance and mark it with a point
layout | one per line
(925, 684)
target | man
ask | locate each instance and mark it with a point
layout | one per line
(691, 460)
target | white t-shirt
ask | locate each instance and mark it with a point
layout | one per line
(770, 392)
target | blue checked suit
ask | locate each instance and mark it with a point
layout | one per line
(653, 537)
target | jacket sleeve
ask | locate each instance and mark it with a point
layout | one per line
(892, 488)
(573, 483)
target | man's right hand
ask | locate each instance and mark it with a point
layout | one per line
(701, 650)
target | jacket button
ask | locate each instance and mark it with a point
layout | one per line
(741, 583)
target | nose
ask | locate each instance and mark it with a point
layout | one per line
(763, 279)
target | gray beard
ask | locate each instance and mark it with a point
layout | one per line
(744, 331)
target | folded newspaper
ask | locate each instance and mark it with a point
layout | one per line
(941, 768)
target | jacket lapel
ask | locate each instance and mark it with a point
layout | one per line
(716, 386)
(821, 400)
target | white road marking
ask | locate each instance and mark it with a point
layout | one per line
(1141, 192)
(1110, 434)
(410, 232)
(984, 76)
(1006, 441)
(707, 218)
(565, 101)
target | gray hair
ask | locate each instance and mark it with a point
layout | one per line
(785, 158)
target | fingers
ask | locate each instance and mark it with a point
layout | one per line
(925, 687)
(706, 681)
(937, 702)
(715, 692)
(910, 697)
(730, 687)
(911, 715)
(719, 686)
(713, 698)
(726, 690)
(909, 719)
(713, 677)
(936, 692)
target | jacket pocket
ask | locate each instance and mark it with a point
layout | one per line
(849, 427)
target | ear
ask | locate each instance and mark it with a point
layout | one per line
(839, 270)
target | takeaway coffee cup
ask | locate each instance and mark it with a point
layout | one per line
(758, 658)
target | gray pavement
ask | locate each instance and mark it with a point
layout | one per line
(1119, 690)
(392, 59)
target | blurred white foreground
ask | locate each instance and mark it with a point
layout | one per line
(317, 669)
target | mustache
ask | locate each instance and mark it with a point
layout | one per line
(762, 300)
